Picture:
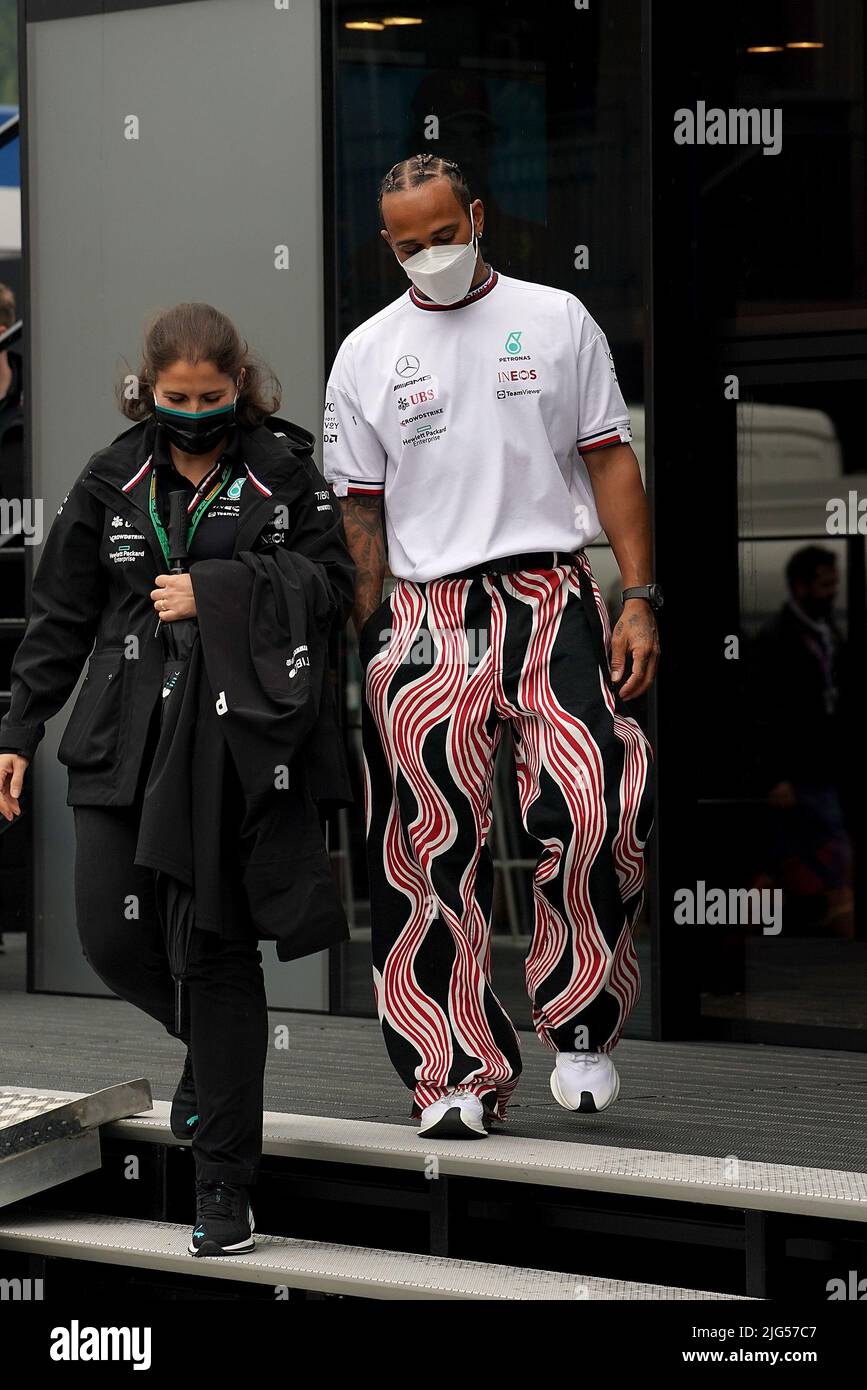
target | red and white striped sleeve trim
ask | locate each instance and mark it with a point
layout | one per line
(356, 487)
(599, 439)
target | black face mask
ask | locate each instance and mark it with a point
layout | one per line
(196, 432)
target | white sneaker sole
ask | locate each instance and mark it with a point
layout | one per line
(452, 1125)
(241, 1247)
(580, 1109)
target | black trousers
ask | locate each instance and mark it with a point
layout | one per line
(226, 1023)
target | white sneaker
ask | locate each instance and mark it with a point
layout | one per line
(585, 1081)
(459, 1115)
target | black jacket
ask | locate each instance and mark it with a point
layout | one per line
(92, 590)
(799, 697)
(252, 694)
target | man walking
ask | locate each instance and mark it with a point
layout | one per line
(476, 425)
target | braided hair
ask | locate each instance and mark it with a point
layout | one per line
(418, 169)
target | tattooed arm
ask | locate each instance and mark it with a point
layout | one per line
(365, 538)
(622, 506)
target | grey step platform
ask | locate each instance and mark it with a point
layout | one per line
(48, 1137)
(314, 1266)
(826, 1192)
(726, 1182)
(766, 1104)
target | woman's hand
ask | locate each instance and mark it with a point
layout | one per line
(173, 597)
(12, 770)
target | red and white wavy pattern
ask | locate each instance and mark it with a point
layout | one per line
(424, 860)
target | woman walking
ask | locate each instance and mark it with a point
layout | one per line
(204, 423)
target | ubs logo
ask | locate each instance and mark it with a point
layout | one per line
(406, 365)
(420, 397)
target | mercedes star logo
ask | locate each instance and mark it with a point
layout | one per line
(406, 365)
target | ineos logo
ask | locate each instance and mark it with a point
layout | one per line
(406, 365)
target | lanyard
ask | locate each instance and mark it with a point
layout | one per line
(197, 515)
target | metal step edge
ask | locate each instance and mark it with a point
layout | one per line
(313, 1265)
(725, 1182)
(836, 1194)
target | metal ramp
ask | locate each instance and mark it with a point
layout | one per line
(48, 1138)
(314, 1266)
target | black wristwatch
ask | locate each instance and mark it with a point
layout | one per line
(652, 592)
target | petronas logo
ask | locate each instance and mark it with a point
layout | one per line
(513, 342)
(234, 491)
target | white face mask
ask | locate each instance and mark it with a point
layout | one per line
(443, 273)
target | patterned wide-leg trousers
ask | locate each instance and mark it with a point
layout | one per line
(447, 665)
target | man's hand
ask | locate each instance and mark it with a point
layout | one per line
(173, 597)
(12, 770)
(635, 632)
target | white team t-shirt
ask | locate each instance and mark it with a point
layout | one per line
(471, 420)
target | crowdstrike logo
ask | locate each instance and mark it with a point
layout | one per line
(425, 415)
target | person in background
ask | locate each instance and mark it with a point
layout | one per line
(799, 666)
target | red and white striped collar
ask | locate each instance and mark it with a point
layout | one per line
(478, 293)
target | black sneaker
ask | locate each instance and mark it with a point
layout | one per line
(224, 1220)
(185, 1111)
